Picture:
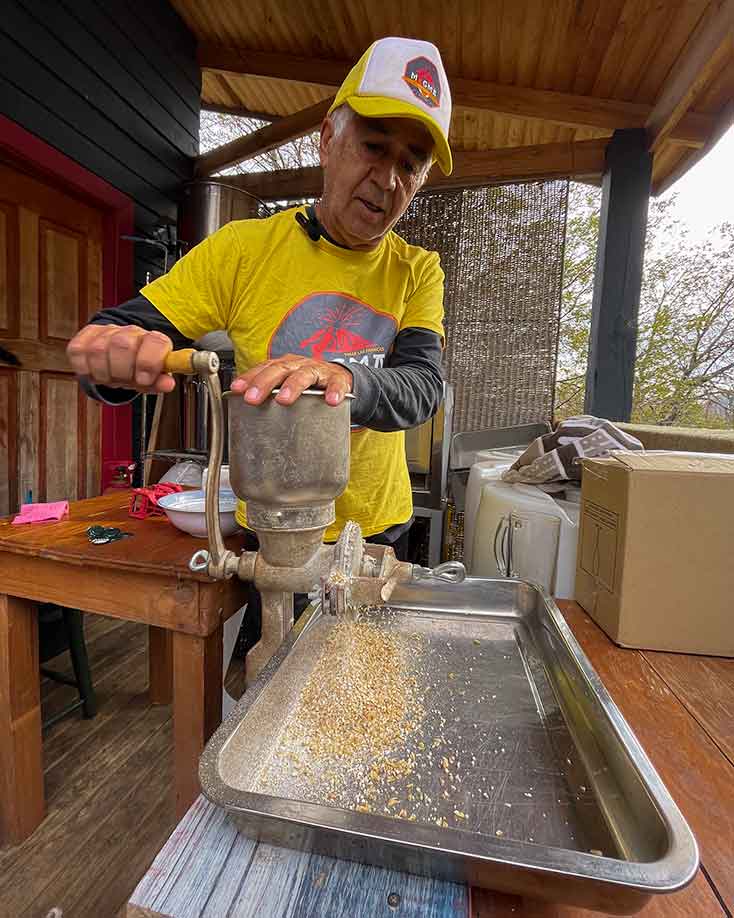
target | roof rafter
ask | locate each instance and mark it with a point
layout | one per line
(701, 58)
(566, 109)
(267, 138)
(553, 160)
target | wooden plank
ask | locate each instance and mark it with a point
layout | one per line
(39, 355)
(88, 110)
(156, 547)
(701, 58)
(705, 687)
(22, 804)
(104, 79)
(122, 702)
(698, 899)
(267, 138)
(8, 442)
(106, 653)
(93, 447)
(160, 665)
(29, 280)
(551, 160)
(141, 48)
(206, 869)
(505, 164)
(202, 871)
(27, 429)
(142, 804)
(239, 112)
(178, 40)
(63, 277)
(197, 707)
(695, 772)
(9, 270)
(140, 757)
(42, 118)
(568, 109)
(6, 265)
(162, 601)
(61, 438)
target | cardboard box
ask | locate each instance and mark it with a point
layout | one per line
(655, 564)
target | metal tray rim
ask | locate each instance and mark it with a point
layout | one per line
(673, 871)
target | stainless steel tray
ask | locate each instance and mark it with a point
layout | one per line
(557, 799)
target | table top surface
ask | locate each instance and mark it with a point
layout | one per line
(156, 546)
(681, 708)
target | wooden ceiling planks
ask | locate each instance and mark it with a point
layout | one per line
(614, 49)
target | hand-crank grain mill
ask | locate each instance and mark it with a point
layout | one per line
(289, 464)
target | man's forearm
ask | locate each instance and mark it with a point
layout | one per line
(407, 391)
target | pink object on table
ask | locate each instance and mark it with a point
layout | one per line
(42, 513)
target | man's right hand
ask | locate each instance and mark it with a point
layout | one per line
(124, 357)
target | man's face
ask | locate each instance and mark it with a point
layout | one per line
(372, 169)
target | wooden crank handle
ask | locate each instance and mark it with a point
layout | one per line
(188, 361)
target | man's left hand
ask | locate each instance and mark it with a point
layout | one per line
(293, 374)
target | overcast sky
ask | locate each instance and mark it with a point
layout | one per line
(705, 194)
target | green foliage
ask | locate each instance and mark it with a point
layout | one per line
(684, 374)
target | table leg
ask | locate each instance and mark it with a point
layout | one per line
(22, 804)
(197, 707)
(160, 665)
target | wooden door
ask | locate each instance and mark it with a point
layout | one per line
(50, 283)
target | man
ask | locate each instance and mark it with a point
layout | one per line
(323, 296)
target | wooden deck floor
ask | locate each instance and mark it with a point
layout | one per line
(109, 788)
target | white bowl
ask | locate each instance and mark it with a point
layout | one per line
(187, 511)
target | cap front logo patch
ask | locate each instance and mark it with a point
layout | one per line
(422, 77)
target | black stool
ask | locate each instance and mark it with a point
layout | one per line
(61, 629)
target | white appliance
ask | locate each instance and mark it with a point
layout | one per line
(521, 531)
(488, 466)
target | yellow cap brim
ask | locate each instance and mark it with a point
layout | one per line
(383, 107)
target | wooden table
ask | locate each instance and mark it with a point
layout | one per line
(144, 579)
(681, 708)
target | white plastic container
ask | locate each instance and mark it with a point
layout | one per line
(489, 467)
(521, 531)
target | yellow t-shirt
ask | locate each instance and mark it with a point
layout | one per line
(277, 292)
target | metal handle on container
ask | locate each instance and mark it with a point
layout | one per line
(502, 558)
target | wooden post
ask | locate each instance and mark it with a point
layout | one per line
(618, 279)
(22, 805)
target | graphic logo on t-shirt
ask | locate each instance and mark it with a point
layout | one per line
(335, 327)
(422, 77)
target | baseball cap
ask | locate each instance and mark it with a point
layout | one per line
(402, 78)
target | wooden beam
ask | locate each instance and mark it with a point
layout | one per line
(700, 59)
(554, 160)
(724, 121)
(267, 138)
(239, 112)
(560, 108)
(506, 164)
